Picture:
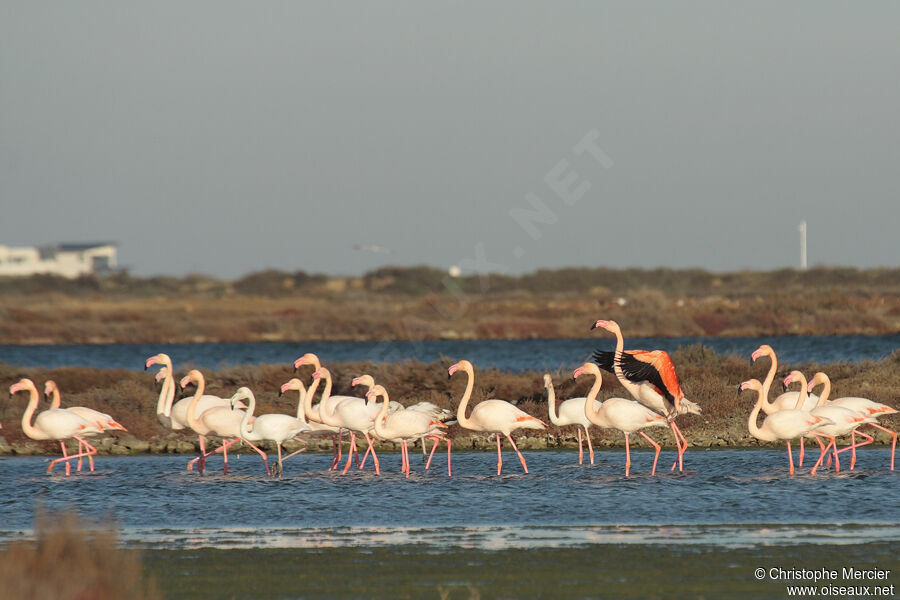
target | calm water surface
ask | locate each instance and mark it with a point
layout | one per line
(509, 355)
(731, 498)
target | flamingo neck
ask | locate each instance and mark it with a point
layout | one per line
(192, 407)
(826, 389)
(594, 415)
(380, 424)
(245, 420)
(315, 415)
(767, 384)
(324, 416)
(55, 399)
(755, 431)
(801, 399)
(301, 409)
(551, 403)
(27, 428)
(464, 403)
(633, 388)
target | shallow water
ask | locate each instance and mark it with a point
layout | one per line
(509, 355)
(727, 498)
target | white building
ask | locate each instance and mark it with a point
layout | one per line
(65, 260)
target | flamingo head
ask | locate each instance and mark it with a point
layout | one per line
(377, 390)
(193, 375)
(320, 373)
(750, 384)
(23, 384)
(293, 384)
(161, 374)
(463, 364)
(308, 359)
(159, 359)
(764, 350)
(792, 377)
(243, 393)
(818, 378)
(604, 324)
(366, 380)
(49, 387)
(589, 368)
(548, 381)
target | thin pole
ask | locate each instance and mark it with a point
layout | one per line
(802, 229)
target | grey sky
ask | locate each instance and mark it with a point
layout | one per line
(227, 137)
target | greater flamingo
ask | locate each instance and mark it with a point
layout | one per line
(843, 420)
(273, 427)
(822, 378)
(872, 409)
(570, 412)
(405, 425)
(103, 420)
(627, 416)
(175, 415)
(55, 424)
(316, 429)
(650, 379)
(351, 414)
(493, 416)
(783, 425)
(221, 421)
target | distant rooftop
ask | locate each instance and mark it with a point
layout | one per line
(81, 246)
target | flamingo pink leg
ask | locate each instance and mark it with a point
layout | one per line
(580, 449)
(361, 466)
(64, 458)
(893, 440)
(223, 449)
(587, 434)
(868, 440)
(521, 458)
(499, 456)
(371, 443)
(262, 454)
(350, 452)
(436, 442)
(800, 458)
(656, 447)
(90, 451)
(449, 472)
(821, 456)
(90, 457)
(680, 446)
(406, 458)
(628, 455)
(822, 450)
(790, 458)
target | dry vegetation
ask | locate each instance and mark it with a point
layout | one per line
(424, 303)
(72, 560)
(707, 378)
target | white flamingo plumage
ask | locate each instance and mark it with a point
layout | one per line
(784, 425)
(350, 413)
(55, 424)
(406, 425)
(843, 420)
(624, 415)
(662, 395)
(174, 415)
(494, 416)
(271, 427)
(570, 412)
(316, 429)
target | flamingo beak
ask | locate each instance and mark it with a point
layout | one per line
(453, 369)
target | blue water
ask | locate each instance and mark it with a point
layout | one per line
(508, 355)
(725, 497)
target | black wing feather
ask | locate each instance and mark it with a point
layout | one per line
(638, 371)
(604, 360)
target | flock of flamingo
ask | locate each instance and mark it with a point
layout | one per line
(648, 376)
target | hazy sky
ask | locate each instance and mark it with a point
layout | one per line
(226, 137)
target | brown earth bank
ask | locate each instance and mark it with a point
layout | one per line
(707, 378)
(424, 303)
